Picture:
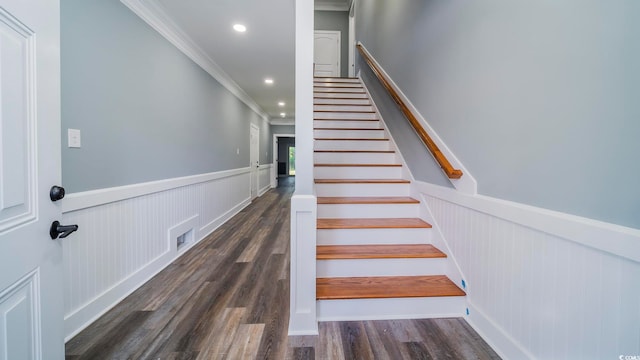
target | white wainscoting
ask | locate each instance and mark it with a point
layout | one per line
(264, 178)
(542, 284)
(127, 235)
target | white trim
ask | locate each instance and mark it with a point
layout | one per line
(331, 7)
(467, 183)
(255, 170)
(86, 199)
(611, 238)
(153, 14)
(500, 341)
(352, 40)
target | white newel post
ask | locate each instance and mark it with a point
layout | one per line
(302, 319)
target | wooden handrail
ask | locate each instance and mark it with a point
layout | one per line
(413, 120)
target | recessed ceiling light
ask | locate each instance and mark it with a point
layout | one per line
(281, 103)
(268, 81)
(283, 114)
(239, 28)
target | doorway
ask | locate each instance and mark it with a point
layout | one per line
(254, 158)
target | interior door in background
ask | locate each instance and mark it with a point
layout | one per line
(326, 53)
(31, 297)
(254, 156)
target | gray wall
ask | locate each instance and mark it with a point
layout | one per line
(283, 129)
(336, 20)
(538, 99)
(145, 110)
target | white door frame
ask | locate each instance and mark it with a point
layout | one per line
(254, 155)
(352, 39)
(333, 32)
(274, 168)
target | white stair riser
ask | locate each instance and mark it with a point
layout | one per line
(373, 236)
(351, 145)
(344, 115)
(321, 89)
(334, 79)
(337, 84)
(332, 211)
(337, 107)
(354, 158)
(321, 95)
(394, 308)
(357, 172)
(362, 189)
(380, 267)
(349, 134)
(349, 124)
(342, 102)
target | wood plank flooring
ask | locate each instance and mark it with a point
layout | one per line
(228, 298)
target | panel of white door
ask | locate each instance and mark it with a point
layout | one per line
(31, 303)
(326, 53)
(254, 159)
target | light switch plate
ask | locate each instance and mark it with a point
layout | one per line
(73, 137)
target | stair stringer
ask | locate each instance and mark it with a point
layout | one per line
(451, 269)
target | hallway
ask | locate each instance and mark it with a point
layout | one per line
(228, 297)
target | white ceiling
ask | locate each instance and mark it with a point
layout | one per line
(266, 49)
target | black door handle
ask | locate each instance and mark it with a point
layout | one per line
(61, 231)
(56, 193)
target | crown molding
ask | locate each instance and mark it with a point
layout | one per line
(153, 14)
(331, 7)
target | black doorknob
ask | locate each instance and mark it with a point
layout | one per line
(56, 193)
(61, 231)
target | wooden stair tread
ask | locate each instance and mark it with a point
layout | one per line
(377, 129)
(385, 287)
(403, 251)
(362, 181)
(354, 139)
(345, 111)
(358, 165)
(328, 119)
(343, 119)
(373, 223)
(356, 151)
(367, 200)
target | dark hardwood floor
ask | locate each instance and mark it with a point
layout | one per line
(228, 298)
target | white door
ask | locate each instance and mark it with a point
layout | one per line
(254, 150)
(326, 53)
(31, 297)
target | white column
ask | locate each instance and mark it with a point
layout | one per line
(302, 319)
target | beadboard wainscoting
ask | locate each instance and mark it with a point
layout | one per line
(542, 284)
(128, 234)
(264, 178)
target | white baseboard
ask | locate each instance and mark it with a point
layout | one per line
(503, 344)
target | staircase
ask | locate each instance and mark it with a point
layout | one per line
(375, 259)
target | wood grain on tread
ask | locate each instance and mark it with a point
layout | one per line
(355, 139)
(385, 287)
(362, 181)
(350, 129)
(373, 223)
(367, 200)
(344, 111)
(358, 165)
(343, 119)
(403, 251)
(356, 151)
